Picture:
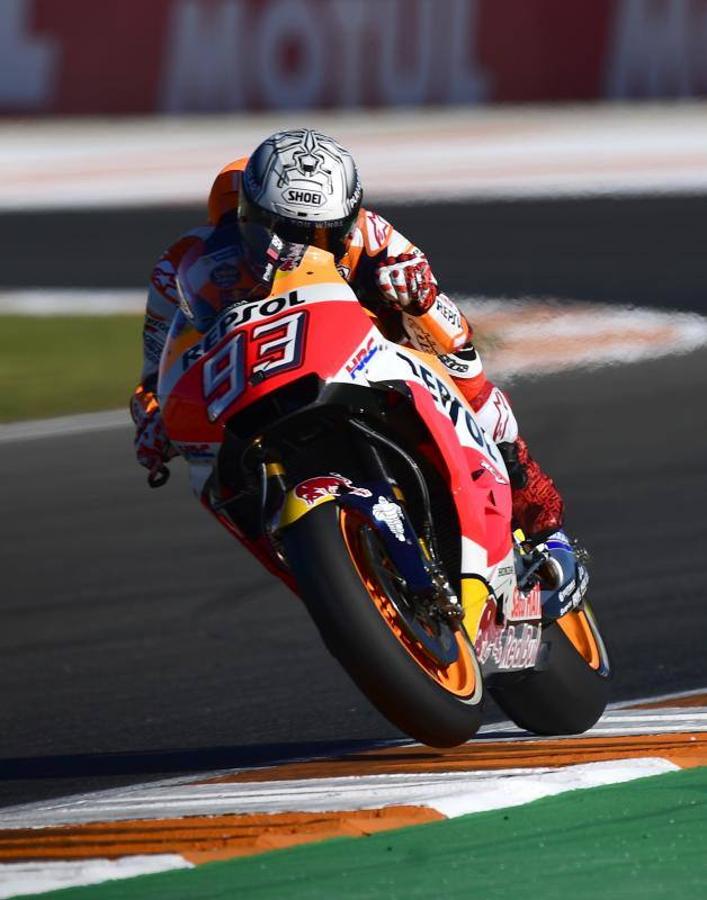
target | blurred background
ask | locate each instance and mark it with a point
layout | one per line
(551, 160)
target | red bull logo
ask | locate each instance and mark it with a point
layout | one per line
(332, 485)
(526, 606)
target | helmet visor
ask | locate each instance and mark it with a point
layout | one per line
(258, 225)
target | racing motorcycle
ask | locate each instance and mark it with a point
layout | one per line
(356, 472)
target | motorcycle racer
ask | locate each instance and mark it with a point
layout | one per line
(304, 187)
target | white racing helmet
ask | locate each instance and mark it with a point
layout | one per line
(301, 186)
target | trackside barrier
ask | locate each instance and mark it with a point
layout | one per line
(128, 56)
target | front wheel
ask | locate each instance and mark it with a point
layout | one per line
(568, 689)
(356, 599)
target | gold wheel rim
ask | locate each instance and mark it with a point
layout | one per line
(460, 677)
(579, 632)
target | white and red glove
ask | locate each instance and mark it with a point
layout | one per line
(152, 445)
(407, 283)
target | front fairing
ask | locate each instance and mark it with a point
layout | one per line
(312, 324)
(483, 501)
(308, 324)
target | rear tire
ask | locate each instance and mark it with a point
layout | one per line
(568, 690)
(363, 639)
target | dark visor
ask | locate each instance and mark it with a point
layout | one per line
(325, 235)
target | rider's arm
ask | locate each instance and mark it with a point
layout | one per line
(162, 304)
(401, 276)
(152, 445)
(385, 263)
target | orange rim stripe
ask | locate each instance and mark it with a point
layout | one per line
(460, 677)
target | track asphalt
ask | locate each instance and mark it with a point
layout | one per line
(644, 250)
(138, 641)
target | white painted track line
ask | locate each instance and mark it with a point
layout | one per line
(182, 796)
(19, 879)
(622, 720)
(72, 302)
(450, 793)
(504, 152)
(528, 338)
(63, 426)
(660, 698)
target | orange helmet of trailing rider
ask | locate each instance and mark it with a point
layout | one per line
(223, 198)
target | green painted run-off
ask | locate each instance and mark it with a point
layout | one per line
(643, 839)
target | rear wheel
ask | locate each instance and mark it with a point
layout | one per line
(423, 677)
(568, 689)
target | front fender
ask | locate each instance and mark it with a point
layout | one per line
(374, 502)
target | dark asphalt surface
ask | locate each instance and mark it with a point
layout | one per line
(138, 641)
(630, 250)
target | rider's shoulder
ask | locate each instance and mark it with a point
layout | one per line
(184, 243)
(373, 233)
(164, 270)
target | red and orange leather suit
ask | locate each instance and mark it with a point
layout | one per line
(376, 255)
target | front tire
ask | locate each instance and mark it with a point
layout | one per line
(568, 689)
(439, 706)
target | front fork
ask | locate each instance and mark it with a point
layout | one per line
(381, 503)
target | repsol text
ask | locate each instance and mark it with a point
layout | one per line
(234, 318)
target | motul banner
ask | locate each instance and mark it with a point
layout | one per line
(144, 56)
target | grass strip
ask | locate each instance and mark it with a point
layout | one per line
(644, 839)
(59, 365)
(67, 364)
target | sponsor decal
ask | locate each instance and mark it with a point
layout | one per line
(512, 647)
(355, 198)
(344, 271)
(155, 325)
(575, 591)
(152, 347)
(420, 336)
(291, 258)
(390, 514)
(456, 365)
(525, 606)
(362, 358)
(224, 276)
(567, 607)
(515, 647)
(583, 580)
(450, 405)
(164, 280)
(234, 318)
(568, 589)
(619, 49)
(305, 198)
(558, 541)
(314, 489)
(503, 416)
(377, 231)
(448, 310)
(193, 452)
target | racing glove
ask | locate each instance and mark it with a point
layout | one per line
(152, 445)
(406, 282)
